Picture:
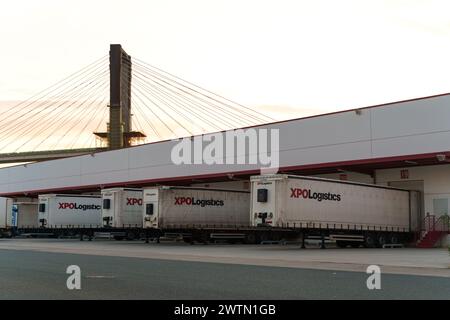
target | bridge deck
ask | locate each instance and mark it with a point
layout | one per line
(17, 157)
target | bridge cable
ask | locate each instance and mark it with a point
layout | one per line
(163, 73)
(57, 84)
(58, 119)
(181, 101)
(204, 107)
(47, 104)
(37, 122)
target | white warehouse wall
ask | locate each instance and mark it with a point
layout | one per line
(436, 184)
(436, 181)
(351, 176)
(404, 128)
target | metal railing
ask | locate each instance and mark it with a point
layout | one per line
(433, 223)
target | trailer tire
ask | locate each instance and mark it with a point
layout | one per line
(131, 236)
(394, 239)
(381, 240)
(355, 244)
(369, 241)
(251, 238)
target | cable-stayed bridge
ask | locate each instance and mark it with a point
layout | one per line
(114, 102)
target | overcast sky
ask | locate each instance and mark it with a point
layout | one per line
(295, 57)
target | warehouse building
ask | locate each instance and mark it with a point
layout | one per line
(403, 144)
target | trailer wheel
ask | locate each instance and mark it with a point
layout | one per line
(394, 239)
(355, 244)
(131, 236)
(251, 238)
(382, 240)
(369, 241)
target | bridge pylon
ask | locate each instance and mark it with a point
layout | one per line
(119, 128)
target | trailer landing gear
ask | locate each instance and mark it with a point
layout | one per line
(322, 242)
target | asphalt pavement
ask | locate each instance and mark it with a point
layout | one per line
(26, 274)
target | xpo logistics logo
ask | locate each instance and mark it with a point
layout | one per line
(75, 206)
(134, 202)
(191, 201)
(319, 196)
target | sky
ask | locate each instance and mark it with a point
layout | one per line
(284, 58)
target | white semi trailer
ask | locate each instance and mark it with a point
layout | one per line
(122, 207)
(190, 207)
(5, 216)
(64, 210)
(349, 213)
